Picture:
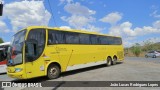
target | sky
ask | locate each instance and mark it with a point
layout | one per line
(136, 21)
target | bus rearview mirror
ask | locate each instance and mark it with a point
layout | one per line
(1, 9)
(31, 50)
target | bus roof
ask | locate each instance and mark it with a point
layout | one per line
(70, 30)
(6, 43)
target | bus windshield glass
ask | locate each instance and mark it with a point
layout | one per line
(15, 51)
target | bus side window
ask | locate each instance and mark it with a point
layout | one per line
(51, 37)
(72, 38)
(55, 37)
(116, 41)
(104, 40)
(84, 39)
(59, 36)
(94, 39)
(2, 55)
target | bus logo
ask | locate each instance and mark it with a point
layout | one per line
(6, 84)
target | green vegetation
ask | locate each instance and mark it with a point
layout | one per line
(148, 46)
(1, 40)
(136, 49)
(140, 50)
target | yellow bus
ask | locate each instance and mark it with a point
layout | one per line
(43, 51)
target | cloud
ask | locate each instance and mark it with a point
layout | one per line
(26, 13)
(81, 17)
(112, 18)
(155, 15)
(154, 39)
(156, 24)
(3, 27)
(65, 27)
(78, 9)
(78, 21)
(128, 33)
(125, 29)
(65, 1)
(93, 28)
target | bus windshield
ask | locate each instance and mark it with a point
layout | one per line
(15, 51)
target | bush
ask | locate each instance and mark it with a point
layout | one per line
(136, 50)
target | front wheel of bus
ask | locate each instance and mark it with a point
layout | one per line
(53, 72)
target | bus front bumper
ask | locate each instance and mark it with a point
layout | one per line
(18, 75)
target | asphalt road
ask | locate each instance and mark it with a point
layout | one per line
(132, 69)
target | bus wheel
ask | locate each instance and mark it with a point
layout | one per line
(114, 61)
(53, 72)
(109, 60)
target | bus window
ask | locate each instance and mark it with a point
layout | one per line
(94, 39)
(104, 40)
(2, 55)
(59, 37)
(117, 41)
(52, 37)
(84, 39)
(55, 37)
(110, 40)
(72, 38)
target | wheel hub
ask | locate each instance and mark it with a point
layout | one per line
(53, 71)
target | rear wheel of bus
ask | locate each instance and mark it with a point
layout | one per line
(114, 61)
(109, 60)
(53, 71)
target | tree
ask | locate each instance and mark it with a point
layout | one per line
(136, 49)
(148, 46)
(1, 40)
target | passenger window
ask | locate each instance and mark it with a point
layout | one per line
(60, 37)
(94, 39)
(117, 41)
(56, 37)
(103, 40)
(72, 38)
(84, 39)
(2, 57)
(51, 37)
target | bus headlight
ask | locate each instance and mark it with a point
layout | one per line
(18, 69)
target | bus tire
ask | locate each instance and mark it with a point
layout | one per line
(114, 61)
(53, 71)
(109, 60)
